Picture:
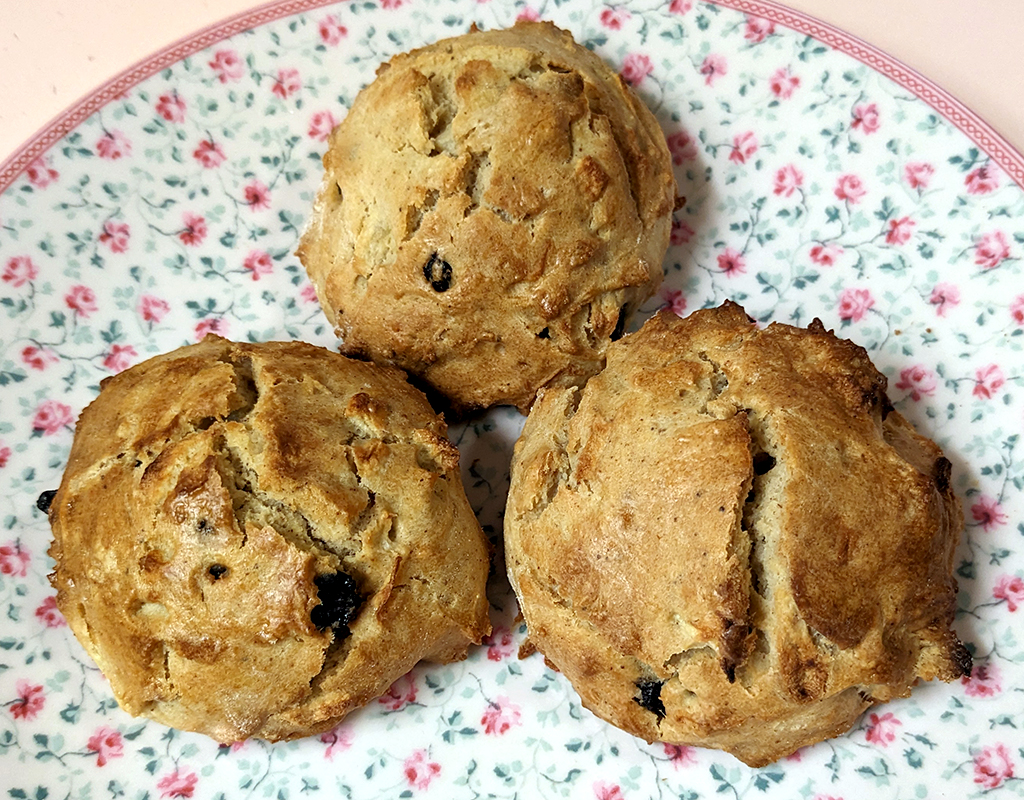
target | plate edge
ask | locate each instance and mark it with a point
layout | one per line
(955, 111)
(75, 114)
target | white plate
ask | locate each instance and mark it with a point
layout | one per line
(822, 179)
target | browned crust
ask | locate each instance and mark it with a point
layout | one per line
(523, 163)
(775, 596)
(272, 463)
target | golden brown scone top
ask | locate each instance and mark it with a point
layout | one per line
(730, 539)
(215, 498)
(494, 208)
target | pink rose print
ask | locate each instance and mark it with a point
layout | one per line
(713, 66)
(217, 325)
(209, 154)
(1017, 309)
(1011, 589)
(113, 145)
(757, 29)
(308, 293)
(194, 230)
(49, 615)
(171, 107)
(5, 455)
(257, 196)
(613, 18)
(882, 730)
(332, 31)
(501, 715)
(943, 296)
(865, 118)
(607, 791)
(499, 644)
(287, 83)
(177, 784)
(40, 174)
(529, 14)
(389, 4)
(982, 180)
(30, 700)
(991, 249)
(51, 417)
(338, 739)
(14, 560)
(681, 233)
(259, 263)
(787, 180)
(19, 270)
(38, 357)
(399, 694)
(115, 235)
(850, 188)
(418, 771)
(227, 65)
(783, 83)
(826, 797)
(992, 766)
(918, 174)
(918, 380)
(854, 304)
(680, 755)
(988, 381)
(320, 125)
(120, 357)
(636, 67)
(153, 309)
(900, 231)
(984, 681)
(106, 744)
(743, 147)
(825, 254)
(675, 301)
(987, 513)
(680, 6)
(682, 146)
(81, 300)
(731, 262)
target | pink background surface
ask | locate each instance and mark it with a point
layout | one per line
(52, 52)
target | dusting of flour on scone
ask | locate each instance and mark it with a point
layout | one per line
(730, 539)
(494, 208)
(252, 540)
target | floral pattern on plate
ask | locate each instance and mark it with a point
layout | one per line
(816, 186)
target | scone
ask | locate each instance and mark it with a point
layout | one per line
(252, 540)
(730, 539)
(494, 209)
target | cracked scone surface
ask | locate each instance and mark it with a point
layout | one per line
(729, 538)
(494, 209)
(254, 540)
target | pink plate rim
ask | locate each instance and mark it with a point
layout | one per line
(954, 111)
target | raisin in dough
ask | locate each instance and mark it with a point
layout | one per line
(494, 209)
(254, 540)
(730, 539)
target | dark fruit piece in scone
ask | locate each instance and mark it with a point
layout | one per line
(339, 602)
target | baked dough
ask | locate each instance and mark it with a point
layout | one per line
(494, 209)
(730, 539)
(256, 539)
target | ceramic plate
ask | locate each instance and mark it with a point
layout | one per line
(822, 179)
